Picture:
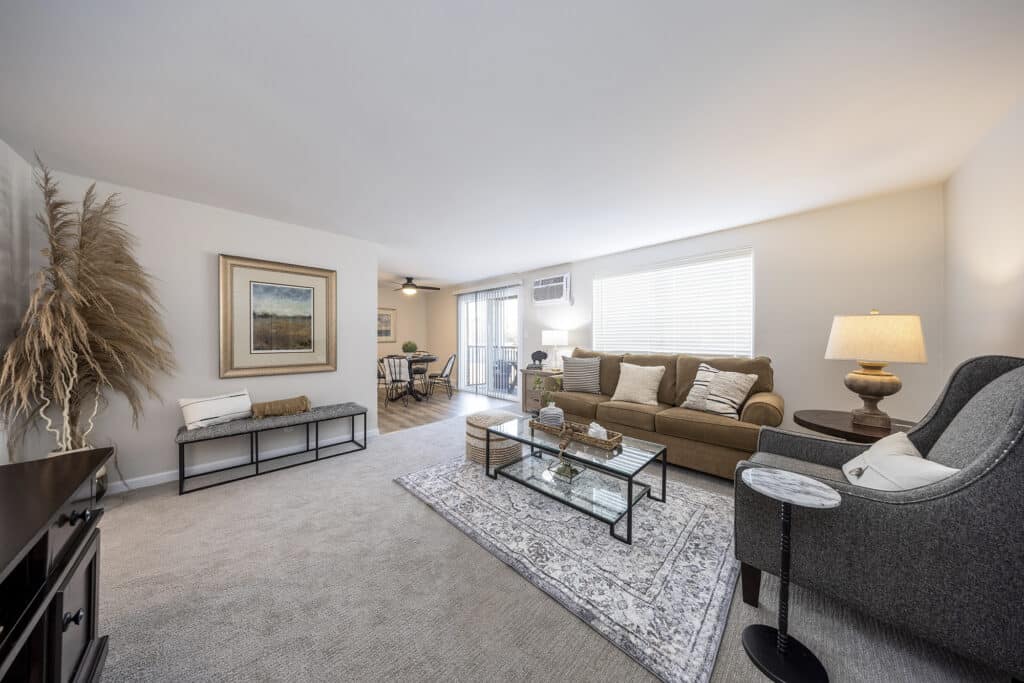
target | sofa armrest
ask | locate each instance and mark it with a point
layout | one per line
(764, 408)
(828, 452)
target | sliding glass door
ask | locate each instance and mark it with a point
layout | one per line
(489, 342)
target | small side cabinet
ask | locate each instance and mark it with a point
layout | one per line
(535, 383)
(50, 570)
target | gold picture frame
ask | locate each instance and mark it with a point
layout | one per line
(276, 318)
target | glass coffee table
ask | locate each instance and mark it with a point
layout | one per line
(605, 488)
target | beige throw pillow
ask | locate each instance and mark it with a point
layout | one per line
(639, 384)
(719, 392)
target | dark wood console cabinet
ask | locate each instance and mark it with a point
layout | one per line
(49, 570)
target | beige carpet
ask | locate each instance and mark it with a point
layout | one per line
(332, 572)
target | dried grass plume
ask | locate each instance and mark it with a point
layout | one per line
(92, 325)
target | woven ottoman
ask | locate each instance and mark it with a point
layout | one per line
(503, 451)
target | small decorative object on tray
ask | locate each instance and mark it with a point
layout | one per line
(597, 431)
(578, 433)
(552, 415)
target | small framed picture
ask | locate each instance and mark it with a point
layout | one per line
(276, 318)
(386, 325)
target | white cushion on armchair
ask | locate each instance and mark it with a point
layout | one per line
(894, 464)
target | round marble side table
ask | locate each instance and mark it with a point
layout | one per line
(778, 655)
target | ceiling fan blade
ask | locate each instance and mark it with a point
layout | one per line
(436, 289)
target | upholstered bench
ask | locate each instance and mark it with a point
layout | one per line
(253, 426)
(503, 451)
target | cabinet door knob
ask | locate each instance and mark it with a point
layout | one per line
(75, 618)
(76, 516)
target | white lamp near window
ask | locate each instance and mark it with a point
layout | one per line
(874, 341)
(554, 339)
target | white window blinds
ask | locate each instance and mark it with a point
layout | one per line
(702, 306)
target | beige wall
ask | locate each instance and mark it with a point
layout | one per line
(884, 252)
(412, 318)
(178, 242)
(985, 247)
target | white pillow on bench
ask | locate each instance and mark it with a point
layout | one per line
(203, 412)
(893, 463)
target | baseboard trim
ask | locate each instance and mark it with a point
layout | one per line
(158, 478)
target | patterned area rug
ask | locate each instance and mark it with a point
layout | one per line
(664, 600)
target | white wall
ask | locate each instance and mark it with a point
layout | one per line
(884, 252)
(985, 247)
(178, 243)
(411, 318)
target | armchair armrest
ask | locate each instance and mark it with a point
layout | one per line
(826, 452)
(764, 408)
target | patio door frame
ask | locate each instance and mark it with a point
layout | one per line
(469, 365)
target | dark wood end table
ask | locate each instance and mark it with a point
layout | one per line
(839, 423)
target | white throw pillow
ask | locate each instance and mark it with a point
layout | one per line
(894, 464)
(719, 392)
(639, 383)
(203, 412)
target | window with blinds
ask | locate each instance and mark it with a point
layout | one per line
(702, 306)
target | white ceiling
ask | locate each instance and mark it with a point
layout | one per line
(472, 138)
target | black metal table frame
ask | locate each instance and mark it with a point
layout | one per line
(254, 451)
(537, 449)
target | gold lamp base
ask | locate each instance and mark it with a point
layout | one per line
(872, 384)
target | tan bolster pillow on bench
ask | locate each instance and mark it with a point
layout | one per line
(286, 406)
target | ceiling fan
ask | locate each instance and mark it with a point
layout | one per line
(409, 287)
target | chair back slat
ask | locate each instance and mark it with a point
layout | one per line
(396, 369)
(448, 366)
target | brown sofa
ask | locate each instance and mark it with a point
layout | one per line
(701, 441)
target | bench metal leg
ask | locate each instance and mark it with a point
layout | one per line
(181, 469)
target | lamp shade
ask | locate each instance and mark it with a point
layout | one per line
(877, 338)
(554, 338)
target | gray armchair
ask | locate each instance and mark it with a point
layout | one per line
(943, 561)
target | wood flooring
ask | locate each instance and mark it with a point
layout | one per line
(395, 416)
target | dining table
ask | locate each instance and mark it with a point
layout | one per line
(414, 359)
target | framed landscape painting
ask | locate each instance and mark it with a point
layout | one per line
(276, 318)
(386, 325)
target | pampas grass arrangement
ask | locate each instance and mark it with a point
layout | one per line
(92, 325)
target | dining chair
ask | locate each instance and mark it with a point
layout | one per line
(419, 373)
(443, 378)
(396, 372)
(381, 375)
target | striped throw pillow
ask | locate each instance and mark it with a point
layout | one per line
(719, 392)
(581, 374)
(203, 412)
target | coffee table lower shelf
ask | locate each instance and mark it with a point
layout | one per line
(603, 495)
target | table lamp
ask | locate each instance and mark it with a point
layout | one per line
(554, 338)
(874, 341)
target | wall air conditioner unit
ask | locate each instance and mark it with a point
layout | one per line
(553, 289)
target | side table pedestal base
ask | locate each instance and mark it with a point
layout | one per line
(797, 666)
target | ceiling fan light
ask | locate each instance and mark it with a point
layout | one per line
(408, 289)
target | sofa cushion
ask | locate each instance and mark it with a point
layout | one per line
(811, 469)
(635, 415)
(707, 427)
(609, 368)
(981, 422)
(639, 383)
(578, 403)
(686, 371)
(581, 374)
(667, 388)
